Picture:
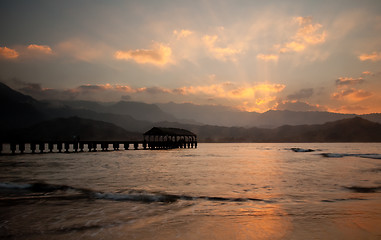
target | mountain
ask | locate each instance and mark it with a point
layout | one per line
(17, 109)
(276, 118)
(125, 121)
(225, 116)
(137, 110)
(66, 129)
(209, 114)
(346, 130)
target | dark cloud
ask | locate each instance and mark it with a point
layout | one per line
(301, 94)
(91, 87)
(298, 106)
(155, 90)
(354, 94)
(126, 97)
(345, 82)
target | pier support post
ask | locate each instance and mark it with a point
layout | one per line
(59, 146)
(104, 146)
(136, 145)
(81, 146)
(13, 148)
(50, 146)
(33, 147)
(126, 146)
(22, 147)
(115, 146)
(89, 146)
(41, 147)
(67, 146)
(75, 146)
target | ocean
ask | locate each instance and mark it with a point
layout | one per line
(217, 191)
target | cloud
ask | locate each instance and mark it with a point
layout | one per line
(352, 94)
(374, 57)
(346, 81)
(308, 33)
(159, 55)
(268, 57)
(352, 108)
(126, 98)
(44, 49)
(301, 94)
(8, 53)
(256, 97)
(223, 54)
(367, 73)
(83, 50)
(182, 33)
(295, 105)
(25, 52)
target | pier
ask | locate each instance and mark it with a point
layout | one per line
(156, 138)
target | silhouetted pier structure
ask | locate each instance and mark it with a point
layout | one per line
(156, 138)
(166, 138)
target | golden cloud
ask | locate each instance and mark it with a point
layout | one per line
(182, 33)
(268, 57)
(248, 98)
(160, 55)
(352, 94)
(375, 56)
(224, 54)
(347, 81)
(367, 73)
(8, 53)
(40, 48)
(307, 34)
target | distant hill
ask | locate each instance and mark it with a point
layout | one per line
(137, 110)
(229, 117)
(276, 118)
(209, 114)
(347, 130)
(20, 111)
(67, 129)
(17, 109)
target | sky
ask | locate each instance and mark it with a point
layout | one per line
(248, 55)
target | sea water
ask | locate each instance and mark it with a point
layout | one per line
(217, 191)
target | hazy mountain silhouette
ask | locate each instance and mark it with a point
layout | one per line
(17, 109)
(225, 116)
(67, 129)
(21, 111)
(137, 110)
(209, 114)
(347, 130)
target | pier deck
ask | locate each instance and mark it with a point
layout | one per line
(89, 146)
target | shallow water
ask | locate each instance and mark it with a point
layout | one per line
(217, 191)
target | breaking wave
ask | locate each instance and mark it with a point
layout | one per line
(28, 191)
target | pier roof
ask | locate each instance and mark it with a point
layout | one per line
(160, 131)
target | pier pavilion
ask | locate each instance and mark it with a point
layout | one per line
(165, 138)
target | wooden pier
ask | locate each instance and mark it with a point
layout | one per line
(156, 138)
